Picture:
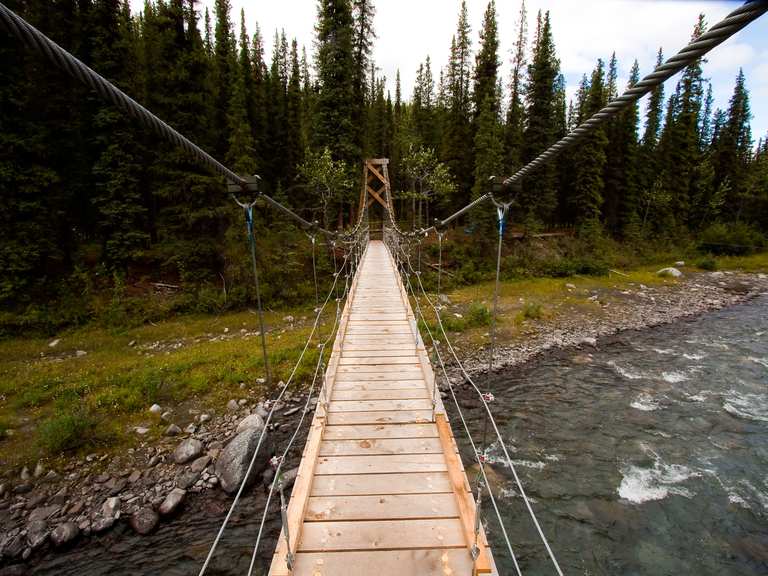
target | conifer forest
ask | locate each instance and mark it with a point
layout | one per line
(94, 209)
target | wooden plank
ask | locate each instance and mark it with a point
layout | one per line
(399, 463)
(383, 507)
(365, 386)
(299, 498)
(382, 535)
(380, 360)
(354, 484)
(365, 376)
(364, 431)
(376, 352)
(378, 405)
(380, 446)
(394, 417)
(417, 392)
(464, 498)
(422, 562)
(385, 368)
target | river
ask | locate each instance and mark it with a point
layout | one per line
(647, 455)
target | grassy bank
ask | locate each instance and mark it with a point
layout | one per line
(93, 387)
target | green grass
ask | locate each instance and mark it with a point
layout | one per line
(68, 403)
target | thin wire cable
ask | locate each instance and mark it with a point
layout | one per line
(475, 451)
(493, 424)
(716, 35)
(281, 461)
(31, 37)
(266, 425)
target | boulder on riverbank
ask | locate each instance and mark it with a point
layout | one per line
(234, 460)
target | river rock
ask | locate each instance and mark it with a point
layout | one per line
(172, 430)
(166, 416)
(156, 409)
(39, 469)
(134, 477)
(187, 479)
(204, 418)
(64, 533)
(669, 273)
(111, 507)
(250, 421)
(101, 524)
(200, 464)
(25, 475)
(37, 533)
(144, 520)
(172, 501)
(234, 459)
(43, 513)
(14, 546)
(232, 406)
(188, 450)
(60, 497)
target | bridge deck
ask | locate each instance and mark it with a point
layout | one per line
(381, 489)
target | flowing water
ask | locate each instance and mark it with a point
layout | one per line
(648, 458)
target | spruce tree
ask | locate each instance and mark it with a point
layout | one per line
(223, 71)
(336, 74)
(539, 196)
(454, 150)
(513, 136)
(589, 159)
(487, 63)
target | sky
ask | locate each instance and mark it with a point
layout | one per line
(584, 30)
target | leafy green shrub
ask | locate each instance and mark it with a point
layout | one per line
(531, 311)
(478, 315)
(707, 263)
(735, 239)
(68, 430)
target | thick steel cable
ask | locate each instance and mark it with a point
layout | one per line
(281, 461)
(475, 451)
(71, 65)
(493, 423)
(266, 424)
(716, 35)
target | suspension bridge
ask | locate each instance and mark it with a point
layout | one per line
(381, 487)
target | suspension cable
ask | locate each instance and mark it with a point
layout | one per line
(248, 211)
(267, 421)
(501, 213)
(716, 35)
(281, 460)
(31, 37)
(477, 454)
(492, 421)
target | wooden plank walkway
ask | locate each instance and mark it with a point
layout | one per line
(381, 488)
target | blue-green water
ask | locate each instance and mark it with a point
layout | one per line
(650, 459)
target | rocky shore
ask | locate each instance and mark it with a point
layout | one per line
(45, 510)
(635, 307)
(48, 509)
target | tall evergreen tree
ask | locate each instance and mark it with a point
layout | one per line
(454, 151)
(590, 159)
(539, 197)
(336, 75)
(513, 137)
(224, 58)
(487, 63)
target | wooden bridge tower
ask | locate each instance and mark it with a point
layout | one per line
(376, 189)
